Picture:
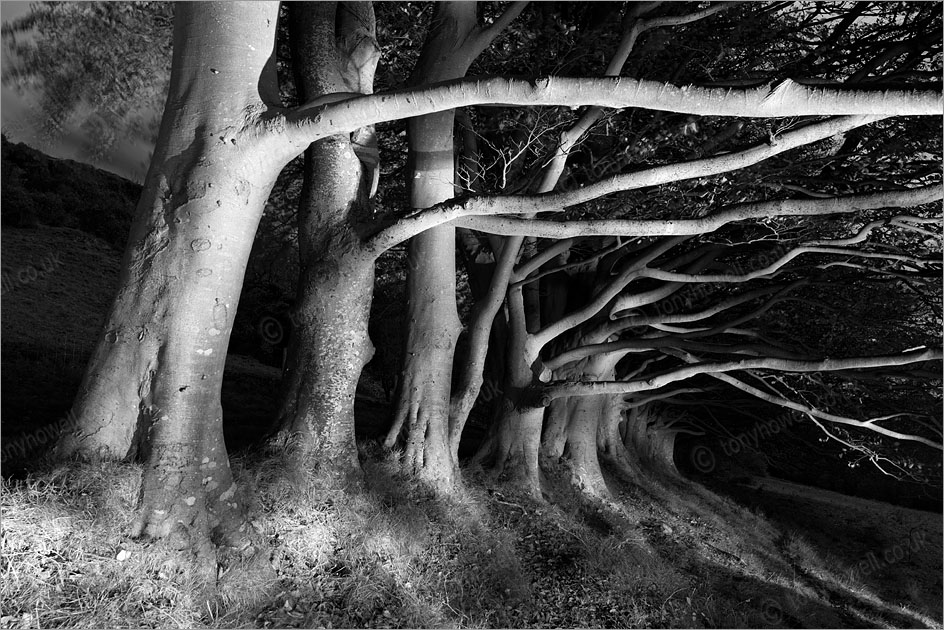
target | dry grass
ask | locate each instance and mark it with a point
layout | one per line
(66, 559)
(393, 555)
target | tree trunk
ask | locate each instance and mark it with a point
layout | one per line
(612, 449)
(515, 456)
(152, 388)
(486, 341)
(581, 450)
(426, 382)
(335, 50)
(554, 436)
(652, 443)
(433, 324)
(572, 434)
(329, 351)
(512, 451)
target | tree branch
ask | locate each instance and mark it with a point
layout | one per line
(549, 392)
(488, 34)
(664, 227)
(683, 318)
(555, 202)
(644, 400)
(816, 413)
(300, 126)
(671, 276)
(602, 298)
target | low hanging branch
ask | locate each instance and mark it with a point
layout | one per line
(673, 278)
(823, 415)
(631, 320)
(466, 211)
(601, 299)
(551, 391)
(639, 401)
(303, 125)
(775, 266)
(666, 343)
(665, 227)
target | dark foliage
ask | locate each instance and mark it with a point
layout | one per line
(39, 190)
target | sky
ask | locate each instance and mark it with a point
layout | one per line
(128, 159)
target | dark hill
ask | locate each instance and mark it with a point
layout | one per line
(40, 190)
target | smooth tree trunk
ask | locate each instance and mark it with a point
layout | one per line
(433, 328)
(572, 434)
(512, 450)
(152, 388)
(554, 435)
(485, 339)
(580, 452)
(650, 440)
(335, 50)
(421, 418)
(613, 431)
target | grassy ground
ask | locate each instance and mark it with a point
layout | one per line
(859, 549)
(390, 555)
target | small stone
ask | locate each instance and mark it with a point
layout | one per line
(190, 500)
(666, 529)
(123, 555)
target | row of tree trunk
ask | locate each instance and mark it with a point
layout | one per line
(152, 389)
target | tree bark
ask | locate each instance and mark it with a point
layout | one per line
(433, 325)
(335, 50)
(613, 450)
(152, 388)
(574, 440)
(581, 448)
(651, 442)
(307, 123)
(512, 452)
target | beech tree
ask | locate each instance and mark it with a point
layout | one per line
(151, 390)
(334, 51)
(573, 423)
(454, 41)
